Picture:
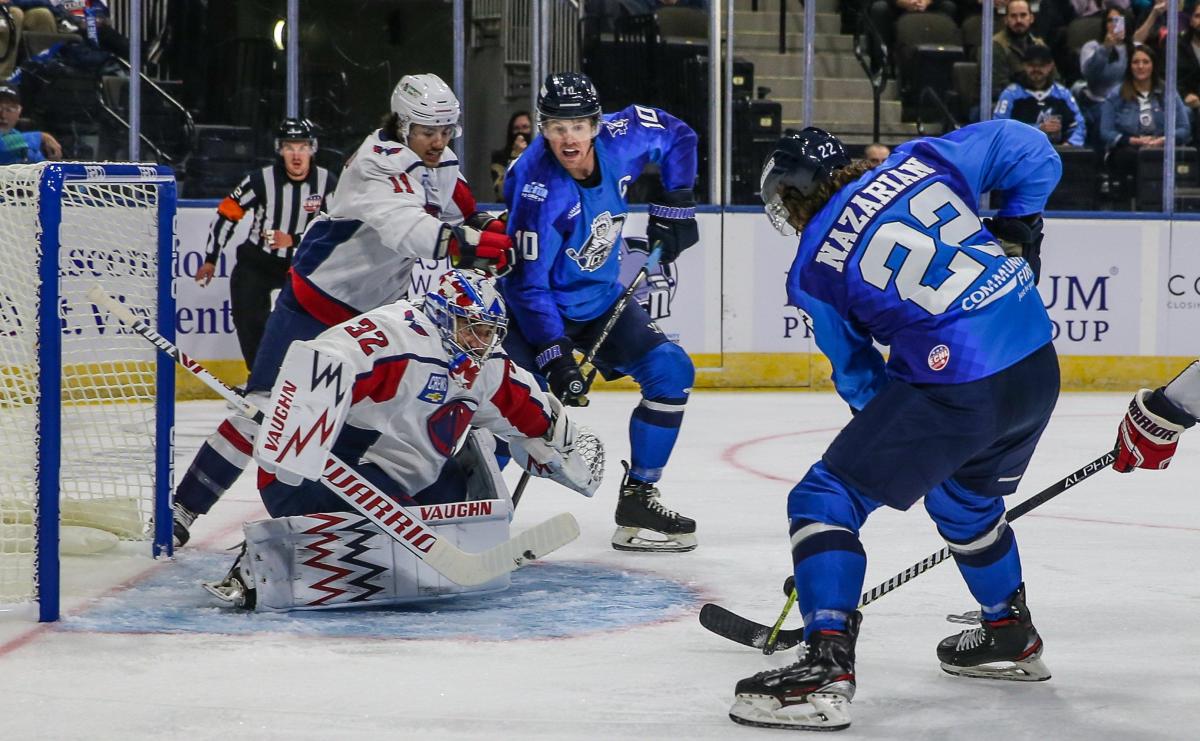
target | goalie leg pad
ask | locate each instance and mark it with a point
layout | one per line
(341, 559)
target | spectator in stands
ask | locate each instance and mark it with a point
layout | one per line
(38, 19)
(1189, 62)
(1009, 45)
(519, 132)
(883, 13)
(17, 147)
(1103, 62)
(1154, 25)
(88, 18)
(1135, 116)
(1041, 102)
(1088, 8)
(876, 153)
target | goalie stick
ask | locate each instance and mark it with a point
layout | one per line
(399, 522)
(769, 638)
(651, 262)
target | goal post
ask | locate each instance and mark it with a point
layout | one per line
(86, 407)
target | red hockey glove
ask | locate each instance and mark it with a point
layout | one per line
(472, 249)
(1148, 435)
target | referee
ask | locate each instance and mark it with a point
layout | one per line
(284, 197)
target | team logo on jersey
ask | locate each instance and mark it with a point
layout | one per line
(387, 151)
(435, 388)
(447, 425)
(617, 127)
(312, 204)
(939, 357)
(535, 192)
(605, 231)
(410, 316)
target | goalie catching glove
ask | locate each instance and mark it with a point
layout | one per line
(308, 407)
(1150, 432)
(485, 248)
(570, 455)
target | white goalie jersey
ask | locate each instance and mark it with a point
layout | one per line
(387, 214)
(385, 375)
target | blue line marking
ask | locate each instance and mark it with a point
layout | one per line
(546, 600)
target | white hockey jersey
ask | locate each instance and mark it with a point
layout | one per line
(387, 213)
(402, 400)
(1184, 390)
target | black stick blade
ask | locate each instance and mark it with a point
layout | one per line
(746, 632)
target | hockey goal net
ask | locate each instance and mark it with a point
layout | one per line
(86, 407)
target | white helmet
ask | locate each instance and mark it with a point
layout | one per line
(425, 100)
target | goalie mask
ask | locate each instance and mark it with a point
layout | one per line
(469, 313)
(425, 100)
(802, 160)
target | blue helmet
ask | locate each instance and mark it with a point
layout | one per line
(567, 95)
(802, 160)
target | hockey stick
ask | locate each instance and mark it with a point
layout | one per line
(749, 633)
(619, 307)
(399, 522)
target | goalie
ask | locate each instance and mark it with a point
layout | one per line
(394, 392)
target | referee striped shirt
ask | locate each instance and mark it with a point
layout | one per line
(278, 204)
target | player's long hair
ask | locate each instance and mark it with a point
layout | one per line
(802, 208)
(391, 126)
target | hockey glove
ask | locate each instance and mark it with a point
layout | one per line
(1020, 236)
(485, 222)
(1148, 435)
(571, 455)
(472, 249)
(556, 361)
(673, 224)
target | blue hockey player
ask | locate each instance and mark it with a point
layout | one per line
(896, 254)
(566, 202)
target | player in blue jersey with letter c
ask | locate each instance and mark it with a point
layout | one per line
(566, 203)
(897, 254)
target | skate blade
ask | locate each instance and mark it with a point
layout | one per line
(1030, 670)
(822, 712)
(630, 539)
(230, 592)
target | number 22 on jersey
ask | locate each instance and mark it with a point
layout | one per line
(921, 248)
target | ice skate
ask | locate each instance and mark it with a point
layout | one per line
(1009, 648)
(813, 694)
(638, 509)
(181, 525)
(237, 588)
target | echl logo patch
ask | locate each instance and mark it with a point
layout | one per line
(312, 204)
(435, 388)
(939, 357)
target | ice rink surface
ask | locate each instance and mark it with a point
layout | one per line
(596, 644)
